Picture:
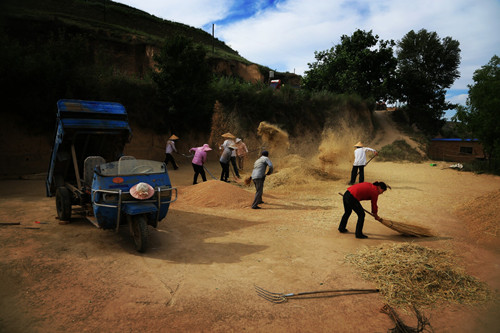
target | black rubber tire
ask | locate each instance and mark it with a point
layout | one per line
(63, 203)
(140, 232)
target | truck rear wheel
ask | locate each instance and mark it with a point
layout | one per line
(63, 203)
(140, 232)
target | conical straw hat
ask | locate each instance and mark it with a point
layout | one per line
(173, 137)
(228, 136)
(359, 144)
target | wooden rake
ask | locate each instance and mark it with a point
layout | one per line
(282, 298)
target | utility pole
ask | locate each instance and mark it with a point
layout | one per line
(213, 38)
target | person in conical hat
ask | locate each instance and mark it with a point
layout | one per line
(241, 153)
(358, 167)
(170, 148)
(224, 160)
(228, 142)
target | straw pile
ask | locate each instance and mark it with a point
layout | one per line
(413, 275)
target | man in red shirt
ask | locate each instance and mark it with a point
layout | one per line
(352, 198)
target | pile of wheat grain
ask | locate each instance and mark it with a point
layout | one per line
(215, 193)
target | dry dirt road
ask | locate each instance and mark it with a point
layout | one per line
(204, 259)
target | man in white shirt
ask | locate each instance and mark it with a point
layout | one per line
(169, 149)
(359, 162)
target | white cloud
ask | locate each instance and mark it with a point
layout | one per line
(458, 99)
(285, 38)
(196, 13)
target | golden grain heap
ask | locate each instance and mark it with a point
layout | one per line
(412, 275)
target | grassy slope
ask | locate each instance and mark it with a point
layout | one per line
(113, 20)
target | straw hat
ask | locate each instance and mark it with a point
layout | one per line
(359, 144)
(206, 147)
(174, 137)
(142, 191)
(228, 136)
(238, 140)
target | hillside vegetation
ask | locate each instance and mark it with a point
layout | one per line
(99, 50)
(110, 20)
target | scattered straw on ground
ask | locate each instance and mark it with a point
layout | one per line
(481, 216)
(215, 193)
(412, 275)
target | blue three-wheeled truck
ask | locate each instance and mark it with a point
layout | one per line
(88, 169)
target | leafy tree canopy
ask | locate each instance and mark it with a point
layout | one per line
(355, 66)
(481, 115)
(427, 66)
(183, 79)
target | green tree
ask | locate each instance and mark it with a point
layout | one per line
(355, 66)
(481, 115)
(183, 81)
(427, 66)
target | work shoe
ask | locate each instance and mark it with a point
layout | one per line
(256, 207)
(343, 231)
(361, 236)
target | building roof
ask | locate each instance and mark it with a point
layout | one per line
(455, 139)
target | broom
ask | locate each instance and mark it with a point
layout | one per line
(402, 228)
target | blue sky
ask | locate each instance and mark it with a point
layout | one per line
(283, 34)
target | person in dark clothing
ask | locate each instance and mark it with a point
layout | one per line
(224, 162)
(230, 142)
(352, 198)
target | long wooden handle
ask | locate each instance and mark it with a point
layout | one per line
(370, 159)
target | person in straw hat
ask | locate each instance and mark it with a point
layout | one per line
(224, 162)
(352, 198)
(230, 142)
(359, 162)
(170, 148)
(199, 158)
(241, 152)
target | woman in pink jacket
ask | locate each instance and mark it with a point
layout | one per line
(199, 158)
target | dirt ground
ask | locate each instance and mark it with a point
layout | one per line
(206, 256)
(199, 272)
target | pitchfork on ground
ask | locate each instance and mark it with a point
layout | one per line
(281, 298)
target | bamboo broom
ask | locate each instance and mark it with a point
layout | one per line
(403, 228)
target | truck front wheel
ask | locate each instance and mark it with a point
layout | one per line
(140, 232)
